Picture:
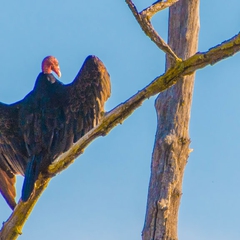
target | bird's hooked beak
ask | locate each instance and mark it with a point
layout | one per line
(56, 69)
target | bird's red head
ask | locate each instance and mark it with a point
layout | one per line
(50, 64)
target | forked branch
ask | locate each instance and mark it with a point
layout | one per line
(143, 19)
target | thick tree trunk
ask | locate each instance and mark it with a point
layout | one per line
(172, 141)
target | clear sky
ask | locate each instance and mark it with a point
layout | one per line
(103, 194)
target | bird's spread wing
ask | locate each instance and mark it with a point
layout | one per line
(56, 115)
(87, 95)
(13, 158)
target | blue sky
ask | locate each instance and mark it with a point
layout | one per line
(103, 194)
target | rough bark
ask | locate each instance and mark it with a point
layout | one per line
(171, 149)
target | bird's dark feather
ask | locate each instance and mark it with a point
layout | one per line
(37, 129)
(62, 115)
(13, 155)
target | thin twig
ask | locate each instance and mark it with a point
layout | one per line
(156, 7)
(144, 21)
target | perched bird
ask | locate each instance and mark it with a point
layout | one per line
(48, 121)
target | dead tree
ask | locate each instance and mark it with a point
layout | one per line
(172, 149)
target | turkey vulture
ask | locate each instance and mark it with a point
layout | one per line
(37, 129)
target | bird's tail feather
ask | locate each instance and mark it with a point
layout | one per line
(31, 175)
(7, 188)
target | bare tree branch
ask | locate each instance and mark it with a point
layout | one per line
(13, 227)
(143, 19)
(159, 84)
